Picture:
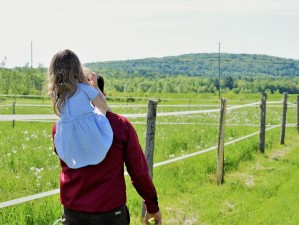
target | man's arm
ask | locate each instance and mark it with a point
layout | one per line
(138, 170)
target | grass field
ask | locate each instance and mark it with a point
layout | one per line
(256, 190)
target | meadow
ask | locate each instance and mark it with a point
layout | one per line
(254, 183)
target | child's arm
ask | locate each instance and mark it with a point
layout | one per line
(94, 82)
(100, 103)
(109, 109)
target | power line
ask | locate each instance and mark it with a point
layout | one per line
(31, 55)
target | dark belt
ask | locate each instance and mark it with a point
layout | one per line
(101, 215)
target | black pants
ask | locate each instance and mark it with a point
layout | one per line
(119, 216)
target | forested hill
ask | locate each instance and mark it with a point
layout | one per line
(201, 64)
(190, 73)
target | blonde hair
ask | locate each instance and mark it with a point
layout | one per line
(64, 73)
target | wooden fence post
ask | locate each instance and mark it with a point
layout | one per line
(150, 140)
(284, 116)
(220, 153)
(297, 112)
(263, 122)
(13, 112)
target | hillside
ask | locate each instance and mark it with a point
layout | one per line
(190, 73)
(201, 64)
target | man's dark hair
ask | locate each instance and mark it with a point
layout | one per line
(100, 80)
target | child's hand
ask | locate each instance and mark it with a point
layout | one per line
(93, 80)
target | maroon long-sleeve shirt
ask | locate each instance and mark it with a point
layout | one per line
(101, 188)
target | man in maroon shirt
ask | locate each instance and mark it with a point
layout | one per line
(96, 195)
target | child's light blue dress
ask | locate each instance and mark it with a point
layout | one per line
(83, 134)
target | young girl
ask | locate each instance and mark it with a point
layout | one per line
(83, 134)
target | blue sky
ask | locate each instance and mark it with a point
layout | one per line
(101, 30)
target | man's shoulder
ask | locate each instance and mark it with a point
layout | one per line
(120, 124)
(116, 117)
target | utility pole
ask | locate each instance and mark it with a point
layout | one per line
(31, 56)
(219, 72)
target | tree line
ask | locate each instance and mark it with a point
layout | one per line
(183, 84)
(192, 73)
(202, 64)
(22, 81)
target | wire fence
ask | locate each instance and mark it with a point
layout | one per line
(51, 118)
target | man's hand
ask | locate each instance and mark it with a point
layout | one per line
(157, 217)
